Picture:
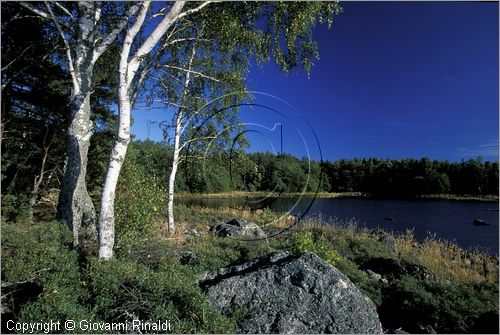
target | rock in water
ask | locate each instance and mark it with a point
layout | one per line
(285, 293)
(479, 222)
(239, 229)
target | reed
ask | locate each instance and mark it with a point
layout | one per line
(446, 260)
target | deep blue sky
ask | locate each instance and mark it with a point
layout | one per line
(395, 79)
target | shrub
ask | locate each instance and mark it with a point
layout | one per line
(369, 286)
(214, 253)
(14, 208)
(39, 258)
(304, 242)
(428, 306)
(140, 199)
(123, 289)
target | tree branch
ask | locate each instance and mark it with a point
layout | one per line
(195, 140)
(35, 10)
(186, 39)
(193, 72)
(154, 37)
(64, 9)
(194, 10)
(127, 44)
(41, 13)
(67, 47)
(15, 59)
(106, 42)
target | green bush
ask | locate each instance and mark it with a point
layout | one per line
(14, 208)
(369, 286)
(428, 306)
(214, 253)
(123, 289)
(362, 249)
(40, 257)
(140, 199)
(304, 242)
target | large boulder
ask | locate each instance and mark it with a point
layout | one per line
(286, 293)
(239, 229)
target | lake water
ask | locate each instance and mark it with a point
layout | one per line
(448, 220)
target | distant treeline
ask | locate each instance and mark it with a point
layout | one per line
(224, 172)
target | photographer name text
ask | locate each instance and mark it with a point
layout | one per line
(88, 325)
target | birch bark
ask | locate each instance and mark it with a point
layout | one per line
(177, 148)
(75, 206)
(128, 70)
(107, 214)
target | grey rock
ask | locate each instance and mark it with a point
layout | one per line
(389, 242)
(480, 222)
(190, 234)
(285, 293)
(194, 232)
(239, 229)
(374, 275)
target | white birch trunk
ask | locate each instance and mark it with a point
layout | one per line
(128, 70)
(107, 214)
(75, 205)
(173, 172)
(177, 149)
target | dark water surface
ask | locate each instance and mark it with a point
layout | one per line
(448, 220)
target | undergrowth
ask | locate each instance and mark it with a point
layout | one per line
(44, 278)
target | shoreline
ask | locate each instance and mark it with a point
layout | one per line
(331, 195)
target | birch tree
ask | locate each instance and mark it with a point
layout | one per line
(194, 68)
(214, 83)
(79, 29)
(128, 69)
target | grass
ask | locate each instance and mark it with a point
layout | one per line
(445, 259)
(147, 278)
(486, 198)
(244, 194)
(448, 260)
(260, 194)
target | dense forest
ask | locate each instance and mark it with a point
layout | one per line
(149, 165)
(259, 171)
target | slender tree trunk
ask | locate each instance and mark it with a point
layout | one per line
(177, 148)
(107, 214)
(173, 172)
(38, 181)
(127, 72)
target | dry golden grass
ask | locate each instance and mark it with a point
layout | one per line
(446, 260)
(245, 194)
(449, 261)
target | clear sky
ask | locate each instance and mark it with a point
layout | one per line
(395, 79)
